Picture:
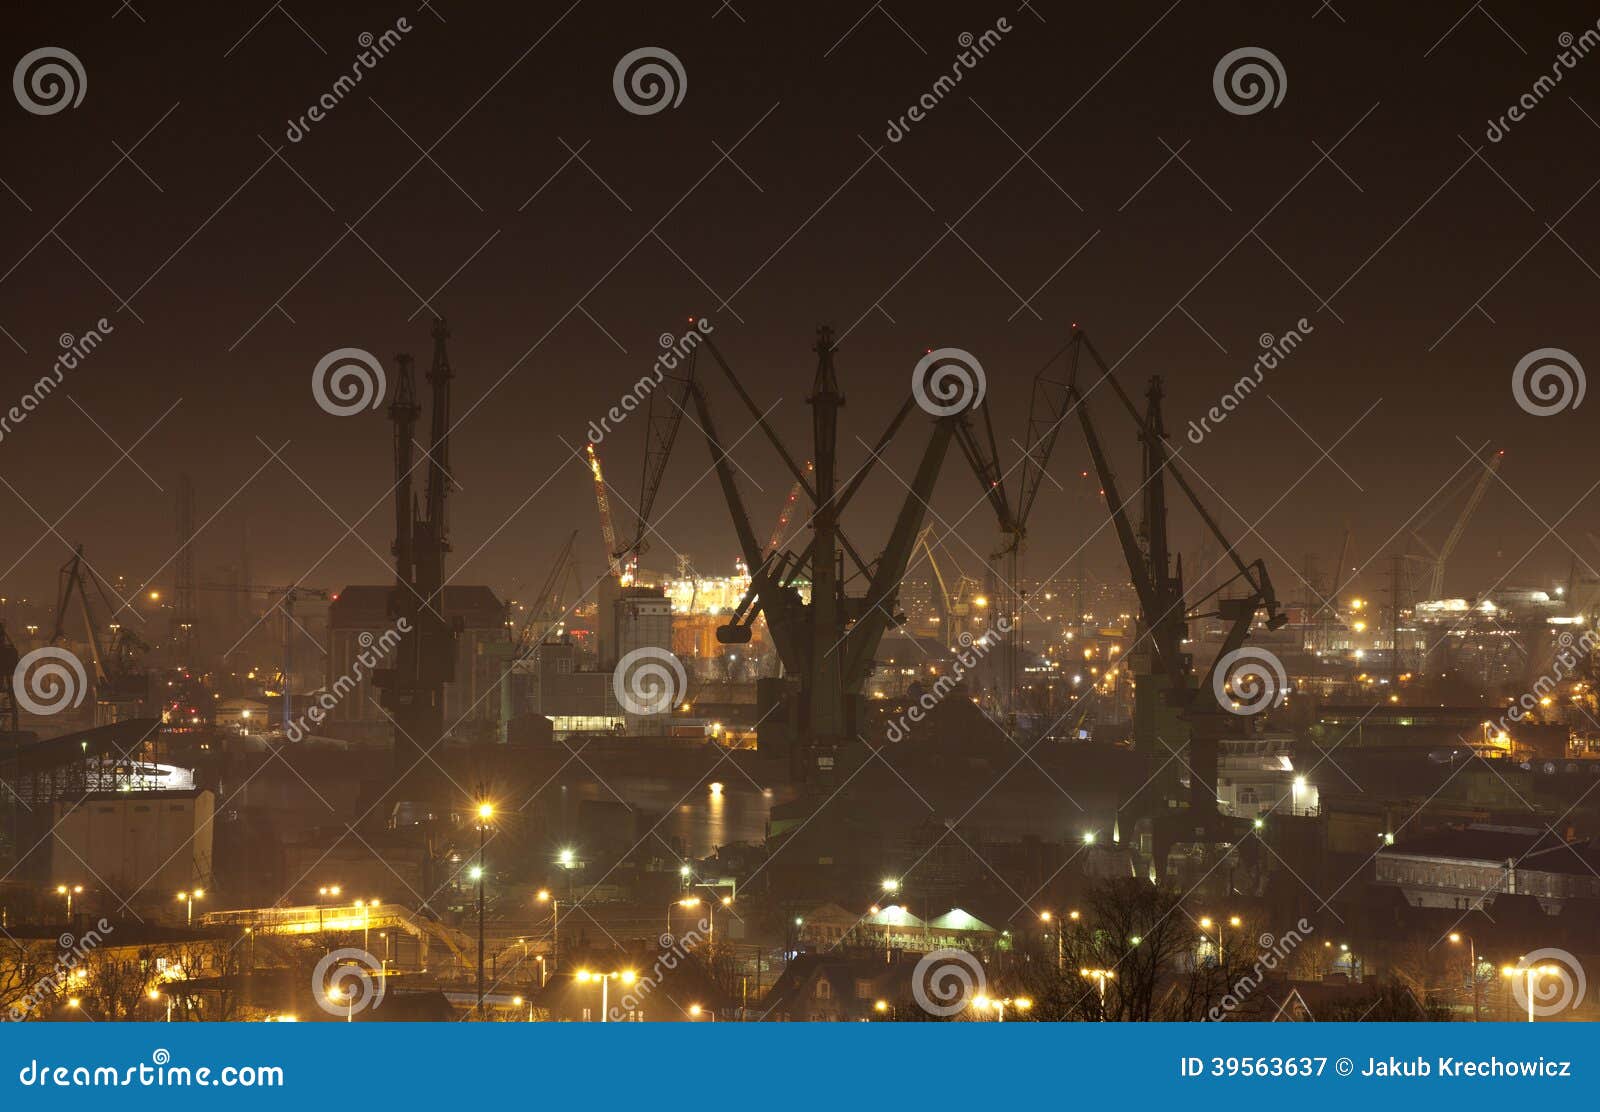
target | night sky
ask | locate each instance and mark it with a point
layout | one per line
(561, 234)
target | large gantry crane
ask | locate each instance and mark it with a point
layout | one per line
(1172, 709)
(425, 658)
(827, 640)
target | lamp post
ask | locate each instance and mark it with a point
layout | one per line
(188, 898)
(555, 927)
(325, 893)
(155, 997)
(1533, 973)
(999, 1005)
(697, 1011)
(1456, 938)
(69, 892)
(517, 1001)
(485, 814)
(626, 976)
(1100, 977)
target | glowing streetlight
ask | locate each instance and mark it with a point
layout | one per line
(1100, 977)
(188, 899)
(1456, 938)
(544, 896)
(588, 976)
(999, 1005)
(69, 892)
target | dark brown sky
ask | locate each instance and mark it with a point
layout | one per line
(235, 265)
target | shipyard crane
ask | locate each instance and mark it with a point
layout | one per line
(664, 411)
(1437, 557)
(1169, 698)
(424, 660)
(545, 611)
(786, 514)
(827, 643)
(608, 531)
(284, 600)
(117, 674)
(951, 600)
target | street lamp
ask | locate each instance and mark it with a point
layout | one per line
(365, 907)
(485, 816)
(188, 898)
(693, 901)
(64, 890)
(348, 996)
(1533, 972)
(1047, 917)
(626, 976)
(1472, 951)
(999, 1005)
(697, 1011)
(544, 896)
(155, 997)
(1100, 977)
(517, 1002)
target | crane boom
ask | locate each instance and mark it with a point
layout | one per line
(1436, 581)
(608, 531)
